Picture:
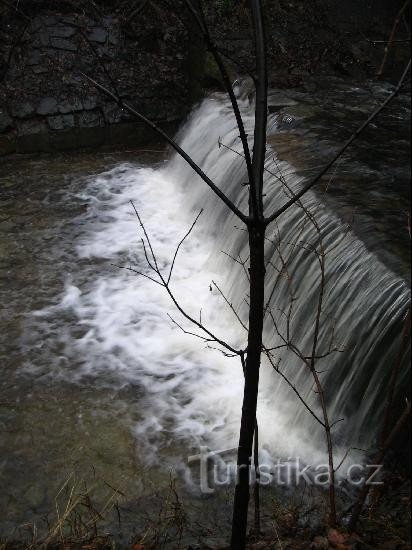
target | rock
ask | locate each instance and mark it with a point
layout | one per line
(310, 86)
(67, 106)
(44, 38)
(63, 44)
(112, 114)
(61, 122)
(68, 20)
(48, 106)
(22, 110)
(261, 545)
(40, 69)
(90, 119)
(5, 121)
(108, 21)
(36, 25)
(32, 126)
(319, 543)
(338, 540)
(89, 103)
(98, 35)
(113, 38)
(62, 31)
(34, 57)
(49, 20)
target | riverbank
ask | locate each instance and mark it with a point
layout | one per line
(48, 104)
(154, 58)
(294, 523)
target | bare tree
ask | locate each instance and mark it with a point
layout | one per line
(256, 223)
(286, 253)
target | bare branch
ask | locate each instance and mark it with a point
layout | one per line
(292, 386)
(171, 142)
(261, 113)
(137, 273)
(378, 459)
(337, 422)
(342, 150)
(200, 19)
(188, 332)
(345, 456)
(147, 238)
(180, 244)
(230, 306)
(165, 284)
(240, 262)
(225, 353)
(392, 36)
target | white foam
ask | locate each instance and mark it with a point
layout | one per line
(115, 324)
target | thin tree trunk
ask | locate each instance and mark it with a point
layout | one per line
(256, 491)
(254, 350)
(320, 390)
(256, 494)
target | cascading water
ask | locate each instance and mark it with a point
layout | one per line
(364, 304)
(116, 329)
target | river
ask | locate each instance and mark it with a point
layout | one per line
(100, 388)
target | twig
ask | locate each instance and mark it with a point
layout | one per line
(392, 36)
(165, 283)
(342, 150)
(230, 306)
(180, 244)
(171, 142)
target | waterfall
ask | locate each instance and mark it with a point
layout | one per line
(116, 330)
(364, 303)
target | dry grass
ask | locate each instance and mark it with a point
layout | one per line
(78, 522)
(77, 519)
(168, 525)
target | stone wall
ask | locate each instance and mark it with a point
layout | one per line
(152, 57)
(47, 104)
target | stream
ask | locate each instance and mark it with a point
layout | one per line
(103, 392)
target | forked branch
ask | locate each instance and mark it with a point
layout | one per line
(164, 281)
(124, 105)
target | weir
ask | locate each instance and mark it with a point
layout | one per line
(190, 395)
(364, 301)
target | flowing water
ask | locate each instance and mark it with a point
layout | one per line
(98, 375)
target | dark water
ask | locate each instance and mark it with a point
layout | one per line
(370, 185)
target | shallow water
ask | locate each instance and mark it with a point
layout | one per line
(97, 379)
